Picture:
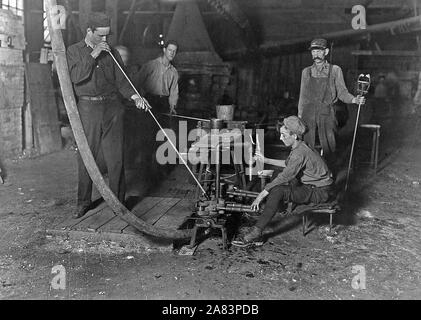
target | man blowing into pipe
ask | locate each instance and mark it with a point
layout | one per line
(322, 84)
(305, 179)
(97, 80)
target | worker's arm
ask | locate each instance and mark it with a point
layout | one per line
(173, 98)
(294, 165)
(341, 90)
(301, 99)
(273, 162)
(80, 65)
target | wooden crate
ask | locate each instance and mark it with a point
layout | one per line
(10, 132)
(11, 87)
(43, 108)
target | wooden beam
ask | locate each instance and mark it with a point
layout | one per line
(396, 53)
(394, 27)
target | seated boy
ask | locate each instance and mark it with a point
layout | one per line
(305, 165)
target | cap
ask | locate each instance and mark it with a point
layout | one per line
(295, 125)
(98, 20)
(318, 44)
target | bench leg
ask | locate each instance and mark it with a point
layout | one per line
(224, 238)
(304, 224)
(330, 223)
(193, 238)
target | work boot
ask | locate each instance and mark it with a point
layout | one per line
(80, 211)
(252, 238)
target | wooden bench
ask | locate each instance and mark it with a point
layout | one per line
(330, 208)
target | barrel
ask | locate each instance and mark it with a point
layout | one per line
(225, 112)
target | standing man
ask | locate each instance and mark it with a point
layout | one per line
(305, 179)
(322, 84)
(97, 81)
(158, 80)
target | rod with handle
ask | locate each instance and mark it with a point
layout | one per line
(352, 148)
(364, 82)
(159, 125)
(184, 117)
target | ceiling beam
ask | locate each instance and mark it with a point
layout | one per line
(394, 27)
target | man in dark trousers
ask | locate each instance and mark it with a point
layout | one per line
(322, 84)
(305, 179)
(97, 81)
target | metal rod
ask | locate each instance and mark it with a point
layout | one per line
(352, 148)
(159, 125)
(184, 117)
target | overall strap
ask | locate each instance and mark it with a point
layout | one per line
(327, 82)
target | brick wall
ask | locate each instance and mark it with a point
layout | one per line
(11, 84)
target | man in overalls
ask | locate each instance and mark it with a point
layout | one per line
(322, 84)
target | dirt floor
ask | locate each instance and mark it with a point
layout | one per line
(373, 253)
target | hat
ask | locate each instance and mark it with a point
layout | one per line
(98, 20)
(318, 44)
(295, 125)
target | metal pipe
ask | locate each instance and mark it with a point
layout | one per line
(243, 193)
(159, 125)
(233, 207)
(184, 117)
(352, 148)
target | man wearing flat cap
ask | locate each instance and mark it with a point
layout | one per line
(97, 80)
(322, 85)
(305, 179)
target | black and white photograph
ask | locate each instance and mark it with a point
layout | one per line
(210, 157)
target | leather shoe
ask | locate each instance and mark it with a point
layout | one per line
(254, 237)
(81, 211)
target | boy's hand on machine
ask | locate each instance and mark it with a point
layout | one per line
(255, 206)
(256, 203)
(259, 156)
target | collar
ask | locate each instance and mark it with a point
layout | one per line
(324, 66)
(88, 43)
(166, 67)
(299, 143)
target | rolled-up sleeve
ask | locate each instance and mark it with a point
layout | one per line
(301, 99)
(80, 65)
(173, 98)
(294, 165)
(341, 90)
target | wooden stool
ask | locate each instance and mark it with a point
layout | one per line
(375, 128)
(330, 208)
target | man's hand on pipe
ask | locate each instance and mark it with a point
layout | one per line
(359, 100)
(141, 103)
(102, 46)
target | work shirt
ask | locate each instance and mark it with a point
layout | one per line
(96, 77)
(306, 165)
(337, 86)
(158, 79)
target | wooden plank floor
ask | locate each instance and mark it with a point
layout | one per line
(168, 213)
(166, 207)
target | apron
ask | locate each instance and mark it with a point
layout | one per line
(319, 115)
